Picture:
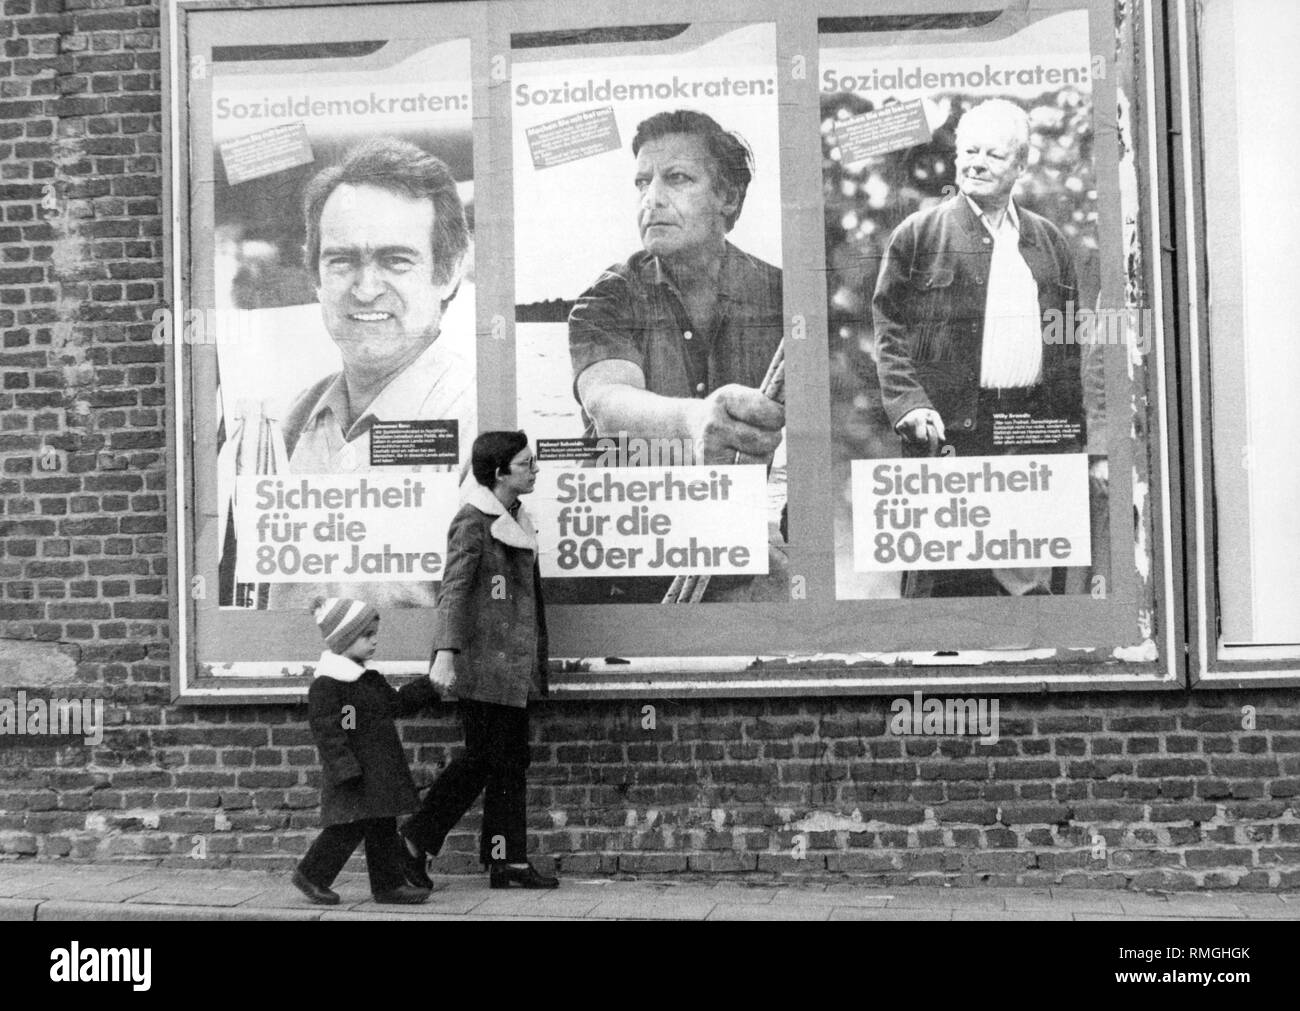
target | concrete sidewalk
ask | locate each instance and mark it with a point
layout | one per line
(31, 891)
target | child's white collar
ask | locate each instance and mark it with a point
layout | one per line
(516, 531)
(340, 668)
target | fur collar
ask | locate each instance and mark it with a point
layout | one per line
(340, 668)
(505, 528)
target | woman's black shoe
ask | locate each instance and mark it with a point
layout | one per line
(317, 894)
(503, 876)
(414, 868)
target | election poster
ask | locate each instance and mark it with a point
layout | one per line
(649, 326)
(343, 283)
(965, 310)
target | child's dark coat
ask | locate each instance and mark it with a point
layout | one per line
(364, 766)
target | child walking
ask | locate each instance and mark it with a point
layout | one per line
(366, 782)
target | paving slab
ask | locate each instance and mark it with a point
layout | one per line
(152, 878)
(441, 905)
(276, 896)
(109, 911)
(180, 895)
(835, 895)
(737, 895)
(65, 888)
(518, 895)
(1131, 918)
(347, 914)
(511, 902)
(1072, 900)
(626, 908)
(1219, 910)
(1135, 905)
(890, 914)
(18, 910)
(782, 913)
(557, 908)
(228, 876)
(945, 898)
(1180, 906)
(87, 878)
(1266, 907)
(66, 867)
(561, 900)
(1012, 915)
(378, 914)
(8, 889)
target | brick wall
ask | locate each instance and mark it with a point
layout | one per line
(1118, 791)
(1107, 790)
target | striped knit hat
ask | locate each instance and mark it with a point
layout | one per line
(342, 621)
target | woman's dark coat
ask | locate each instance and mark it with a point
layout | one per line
(490, 608)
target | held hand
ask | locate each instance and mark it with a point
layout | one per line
(735, 419)
(914, 424)
(442, 672)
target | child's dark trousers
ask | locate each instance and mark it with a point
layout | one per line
(335, 844)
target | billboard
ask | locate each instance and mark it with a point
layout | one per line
(813, 319)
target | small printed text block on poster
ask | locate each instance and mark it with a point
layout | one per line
(578, 136)
(894, 127)
(266, 152)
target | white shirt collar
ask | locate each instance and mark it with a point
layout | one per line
(1012, 216)
(407, 390)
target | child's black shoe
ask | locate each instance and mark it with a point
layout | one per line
(317, 894)
(414, 867)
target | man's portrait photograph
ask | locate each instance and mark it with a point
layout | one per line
(960, 257)
(352, 274)
(659, 330)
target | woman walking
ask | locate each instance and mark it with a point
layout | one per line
(489, 647)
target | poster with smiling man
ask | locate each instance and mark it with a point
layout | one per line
(342, 208)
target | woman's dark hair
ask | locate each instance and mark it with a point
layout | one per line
(732, 158)
(492, 454)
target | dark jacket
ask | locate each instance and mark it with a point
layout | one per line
(490, 608)
(364, 766)
(928, 313)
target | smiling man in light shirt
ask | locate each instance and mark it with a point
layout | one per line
(963, 295)
(387, 242)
